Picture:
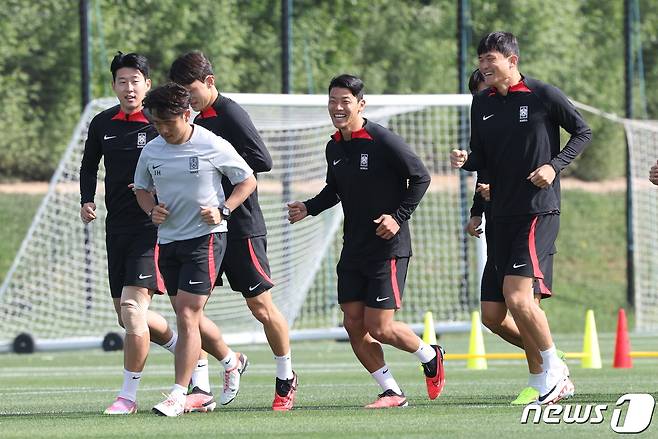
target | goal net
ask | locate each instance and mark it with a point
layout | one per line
(643, 154)
(57, 288)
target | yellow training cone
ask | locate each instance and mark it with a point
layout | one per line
(476, 344)
(592, 358)
(429, 334)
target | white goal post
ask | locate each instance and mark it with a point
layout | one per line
(57, 289)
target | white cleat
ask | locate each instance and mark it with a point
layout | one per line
(232, 379)
(557, 386)
(172, 406)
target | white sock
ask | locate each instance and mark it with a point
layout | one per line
(171, 344)
(200, 377)
(130, 385)
(385, 379)
(425, 352)
(178, 392)
(284, 367)
(549, 359)
(535, 380)
(230, 361)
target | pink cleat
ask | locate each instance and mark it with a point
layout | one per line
(389, 399)
(288, 389)
(199, 401)
(121, 406)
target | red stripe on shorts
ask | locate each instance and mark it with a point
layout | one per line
(158, 276)
(394, 282)
(254, 260)
(211, 261)
(536, 270)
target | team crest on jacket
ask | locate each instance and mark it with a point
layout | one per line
(141, 140)
(363, 164)
(194, 165)
(523, 113)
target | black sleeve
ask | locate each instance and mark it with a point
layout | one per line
(479, 203)
(476, 160)
(562, 111)
(326, 199)
(91, 157)
(247, 141)
(410, 166)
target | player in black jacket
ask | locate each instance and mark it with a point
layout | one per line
(245, 263)
(379, 182)
(515, 136)
(118, 135)
(492, 302)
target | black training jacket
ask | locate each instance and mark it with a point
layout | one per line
(374, 173)
(119, 139)
(513, 135)
(230, 121)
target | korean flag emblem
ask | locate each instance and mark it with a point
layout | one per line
(523, 113)
(141, 140)
(363, 164)
(194, 165)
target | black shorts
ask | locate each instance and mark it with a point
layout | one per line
(380, 284)
(131, 261)
(526, 248)
(192, 265)
(246, 266)
(491, 287)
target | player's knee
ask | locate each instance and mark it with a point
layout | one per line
(378, 332)
(353, 325)
(260, 311)
(133, 315)
(492, 320)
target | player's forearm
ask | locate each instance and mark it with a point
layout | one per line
(414, 193)
(241, 192)
(574, 147)
(145, 199)
(87, 187)
(326, 199)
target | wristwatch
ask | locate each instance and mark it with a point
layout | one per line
(225, 211)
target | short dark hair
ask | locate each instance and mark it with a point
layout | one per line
(503, 42)
(171, 99)
(475, 80)
(132, 60)
(190, 67)
(351, 82)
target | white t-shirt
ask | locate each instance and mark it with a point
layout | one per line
(189, 176)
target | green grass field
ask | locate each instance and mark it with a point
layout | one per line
(53, 395)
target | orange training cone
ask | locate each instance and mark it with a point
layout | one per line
(622, 343)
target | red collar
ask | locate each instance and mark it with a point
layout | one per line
(358, 134)
(134, 117)
(518, 87)
(208, 112)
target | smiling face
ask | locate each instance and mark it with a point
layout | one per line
(345, 110)
(130, 86)
(499, 71)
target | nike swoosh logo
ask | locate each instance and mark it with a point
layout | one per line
(106, 137)
(136, 378)
(156, 167)
(195, 283)
(381, 299)
(487, 117)
(254, 287)
(518, 265)
(337, 161)
(141, 276)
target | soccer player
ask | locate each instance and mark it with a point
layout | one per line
(119, 134)
(492, 302)
(379, 182)
(653, 174)
(185, 164)
(245, 262)
(515, 135)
